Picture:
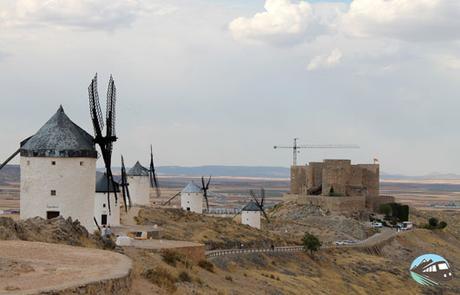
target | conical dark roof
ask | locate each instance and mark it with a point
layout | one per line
(251, 206)
(138, 170)
(60, 137)
(101, 184)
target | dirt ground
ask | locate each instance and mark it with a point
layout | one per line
(32, 267)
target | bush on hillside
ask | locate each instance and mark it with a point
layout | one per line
(311, 243)
(204, 264)
(161, 277)
(171, 257)
(184, 277)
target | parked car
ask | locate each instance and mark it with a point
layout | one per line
(376, 224)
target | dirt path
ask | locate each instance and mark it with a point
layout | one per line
(31, 267)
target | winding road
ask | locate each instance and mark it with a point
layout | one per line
(385, 235)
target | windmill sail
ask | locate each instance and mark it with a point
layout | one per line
(124, 185)
(152, 173)
(95, 108)
(205, 188)
(105, 142)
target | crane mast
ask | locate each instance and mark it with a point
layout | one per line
(296, 148)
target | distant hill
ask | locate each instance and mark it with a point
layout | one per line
(241, 171)
(431, 176)
(9, 174)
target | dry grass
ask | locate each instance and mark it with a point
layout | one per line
(215, 232)
(331, 272)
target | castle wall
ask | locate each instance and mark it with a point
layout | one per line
(336, 175)
(373, 202)
(72, 180)
(371, 178)
(139, 190)
(314, 174)
(298, 179)
(343, 205)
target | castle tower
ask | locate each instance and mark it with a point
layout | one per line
(101, 208)
(250, 215)
(58, 165)
(139, 185)
(191, 198)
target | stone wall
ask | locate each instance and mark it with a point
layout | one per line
(344, 205)
(314, 174)
(345, 179)
(298, 179)
(371, 179)
(336, 176)
(117, 286)
(373, 203)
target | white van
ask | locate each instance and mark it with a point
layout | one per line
(407, 225)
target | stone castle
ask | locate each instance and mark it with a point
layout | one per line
(338, 186)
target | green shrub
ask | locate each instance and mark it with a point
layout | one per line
(184, 277)
(311, 243)
(161, 277)
(206, 265)
(433, 222)
(442, 224)
(171, 257)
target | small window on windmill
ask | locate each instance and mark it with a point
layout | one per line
(103, 205)
(53, 163)
(82, 163)
(53, 192)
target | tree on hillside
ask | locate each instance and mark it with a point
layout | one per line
(433, 222)
(311, 243)
(385, 209)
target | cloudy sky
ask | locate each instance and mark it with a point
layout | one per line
(222, 81)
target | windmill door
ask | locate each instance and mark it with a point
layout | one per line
(104, 219)
(52, 214)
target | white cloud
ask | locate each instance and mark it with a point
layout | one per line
(409, 20)
(281, 21)
(86, 14)
(326, 61)
(449, 61)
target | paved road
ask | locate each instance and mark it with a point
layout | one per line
(385, 235)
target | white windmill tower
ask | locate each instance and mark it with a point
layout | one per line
(191, 198)
(58, 165)
(139, 185)
(105, 189)
(250, 214)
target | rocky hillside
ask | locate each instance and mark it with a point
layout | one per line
(291, 220)
(58, 231)
(214, 232)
